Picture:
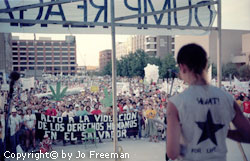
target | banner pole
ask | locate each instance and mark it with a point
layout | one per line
(219, 49)
(114, 76)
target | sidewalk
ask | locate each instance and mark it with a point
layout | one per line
(138, 150)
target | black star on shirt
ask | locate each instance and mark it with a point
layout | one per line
(209, 129)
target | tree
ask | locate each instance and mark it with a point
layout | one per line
(168, 63)
(108, 69)
(244, 72)
(214, 70)
(228, 69)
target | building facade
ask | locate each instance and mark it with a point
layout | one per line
(158, 46)
(104, 58)
(243, 58)
(232, 42)
(5, 55)
(50, 56)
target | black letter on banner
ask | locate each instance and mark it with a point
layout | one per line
(158, 21)
(50, 12)
(85, 13)
(37, 18)
(10, 13)
(135, 9)
(196, 14)
(101, 9)
(190, 14)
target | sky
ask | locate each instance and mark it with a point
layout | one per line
(235, 15)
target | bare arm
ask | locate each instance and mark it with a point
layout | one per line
(242, 125)
(173, 132)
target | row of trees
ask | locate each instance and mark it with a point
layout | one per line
(230, 69)
(133, 65)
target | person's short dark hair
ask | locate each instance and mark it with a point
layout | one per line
(194, 56)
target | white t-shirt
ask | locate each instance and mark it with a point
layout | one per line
(13, 124)
(29, 119)
(205, 113)
(69, 114)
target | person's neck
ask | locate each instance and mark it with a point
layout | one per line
(197, 80)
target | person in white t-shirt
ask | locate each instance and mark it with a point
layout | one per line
(30, 124)
(14, 127)
(199, 117)
(68, 112)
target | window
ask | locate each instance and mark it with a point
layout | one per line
(39, 44)
(23, 58)
(40, 68)
(39, 63)
(39, 49)
(57, 54)
(56, 49)
(23, 63)
(14, 53)
(31, 63)
(56, 44)
(64, 68)
(30, 43)
(48, 49)
(57, 63)
(14, 43)
(22, 49)
(72, 68)
(15, 58)
(31, 49)
(64, 49)
(39, 58)
(72, 49)
(14, 48)
(72, 58)
(56, 68)
(72, 62)
(48, 63)
(31, 54)
(39, 54)
(15, 63)
(31, 68)
(64, 44)
(48, 68)
(48, 58)
(64, 54)
(47, 43)
(22, 44)
(22, 53)
(56, 58)
(15, 68)
(31, 58)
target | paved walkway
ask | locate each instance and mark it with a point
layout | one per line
(138, 150)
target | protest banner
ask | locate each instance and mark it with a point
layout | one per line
(73, 128)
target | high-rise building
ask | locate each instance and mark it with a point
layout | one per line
(158, 46)
(50, 56)
(5, 55)
(243, 58)
(231, 44)
(104, 58)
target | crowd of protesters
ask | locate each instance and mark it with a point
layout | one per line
(146, 99)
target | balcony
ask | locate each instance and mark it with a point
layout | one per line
(241, 58)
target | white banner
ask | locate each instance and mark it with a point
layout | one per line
(28, 83)
(93, 16)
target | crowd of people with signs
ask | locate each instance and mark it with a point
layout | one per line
(93, 98)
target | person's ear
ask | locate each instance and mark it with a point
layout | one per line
(183, 68)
